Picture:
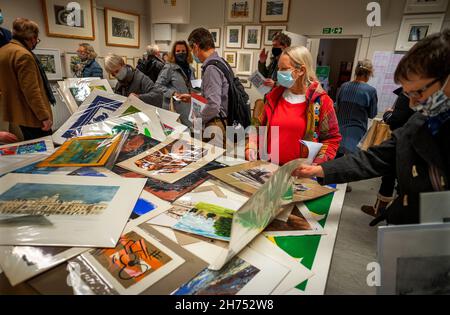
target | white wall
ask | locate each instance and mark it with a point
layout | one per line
(32, 9)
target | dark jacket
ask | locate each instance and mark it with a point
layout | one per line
(141, 85)
(171, 80)
(401, 114)
(5, 36)
(92, 70)
(420, 161)
(151, 67)
(271, 71)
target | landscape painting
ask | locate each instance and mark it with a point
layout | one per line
(83, 152)
(229, 281)
(207, 220)
(47, 199)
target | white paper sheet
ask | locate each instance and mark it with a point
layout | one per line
(313, 150)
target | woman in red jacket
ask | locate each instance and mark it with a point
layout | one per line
(301, 110)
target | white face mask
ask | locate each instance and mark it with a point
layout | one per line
(122, 74)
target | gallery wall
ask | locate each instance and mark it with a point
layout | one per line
(32, 9)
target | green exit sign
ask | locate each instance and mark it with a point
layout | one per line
(333, 31)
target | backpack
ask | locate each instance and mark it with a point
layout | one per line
(239, 113)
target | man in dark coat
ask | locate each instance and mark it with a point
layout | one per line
(418, 153)
(153, 64)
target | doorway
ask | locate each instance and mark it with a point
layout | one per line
(335, 62)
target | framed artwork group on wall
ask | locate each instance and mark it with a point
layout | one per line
(69, 19)
(122, 28)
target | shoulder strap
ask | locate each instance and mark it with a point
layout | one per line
(224, 68)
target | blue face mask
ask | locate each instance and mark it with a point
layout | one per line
(1, 18)
(285, 79)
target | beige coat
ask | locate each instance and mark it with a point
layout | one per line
(23, 99)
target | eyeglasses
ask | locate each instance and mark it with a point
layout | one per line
(419, 93)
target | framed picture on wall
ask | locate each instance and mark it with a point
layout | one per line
(69, 19)
(230, 57)
(72, 64)
(421, 6)
(252, 38)
(122, 28)
(234, 36)
(245, 63)
(215, 32)
(416, 27)
(271, 31)
(51, 62)
(245, 82)
(239, 11)
(275, 10)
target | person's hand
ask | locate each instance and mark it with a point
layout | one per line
(263, 56)
(6, 137)
(250, 155)
(309, 171)
(135, 95)
(47, 125)
(269, 83)
(185, 98)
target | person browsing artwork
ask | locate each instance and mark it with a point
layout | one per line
(175, 80)
(89, 67)
(300, 109)
(418, 153)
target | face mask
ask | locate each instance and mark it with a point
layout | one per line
(436, 104)
(122, 74)
(181, 58)
(1, 18)
(285, 79)
(276, 52)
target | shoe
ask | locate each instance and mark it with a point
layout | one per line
(349, 189)
(381, 205)
(369, 210)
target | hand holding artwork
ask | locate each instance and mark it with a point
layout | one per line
(269, 83)
(6, 137)
(263, 56)
(309, 171)
(47, 125)
(250, 155)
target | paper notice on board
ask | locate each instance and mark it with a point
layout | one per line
(258, 81)
(198, 103)
(313, 150)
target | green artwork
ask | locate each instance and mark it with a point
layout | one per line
(306, 247)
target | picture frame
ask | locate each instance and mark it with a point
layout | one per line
(234, 36)
(51, 62)
(416, 27)
(270, 31)
(122, 28)
(413, 258)
(215, 32)
(418, 6)
(71, 59)
(240, 11)
(252, 37)
(244, 63)
(245, 81)
(61, 19)
(231, 58)
(275, 10)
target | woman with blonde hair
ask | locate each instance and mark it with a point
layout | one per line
(175, 80)
(356, 103)
(300, 109)
(89, 68)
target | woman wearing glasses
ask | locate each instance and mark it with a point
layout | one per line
(419, 153)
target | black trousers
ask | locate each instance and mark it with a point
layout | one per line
(387, 186)
(30, 133)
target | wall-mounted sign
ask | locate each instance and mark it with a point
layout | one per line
(333, 31)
